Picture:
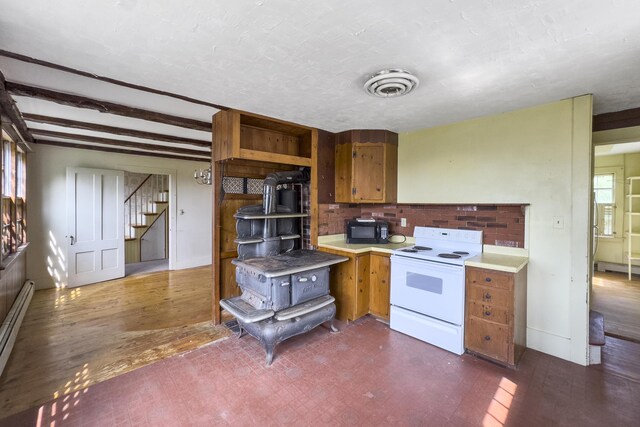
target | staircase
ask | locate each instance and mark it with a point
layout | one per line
(141, 209)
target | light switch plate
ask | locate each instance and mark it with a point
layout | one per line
(403, 222)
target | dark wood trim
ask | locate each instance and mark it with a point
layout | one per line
(617, 120)
(10, 109)
(58, 67)
(216, 230)
(78, 101)
(118, 142)
(115, 150)
(57, 121)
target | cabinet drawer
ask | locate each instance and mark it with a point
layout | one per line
(494, 279)
(489, 312)
(487, 295)
(489, 339)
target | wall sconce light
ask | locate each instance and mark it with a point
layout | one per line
(202, 176)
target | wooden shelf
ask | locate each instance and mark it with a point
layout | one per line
(242, 135)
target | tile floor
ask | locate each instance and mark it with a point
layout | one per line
(365, 375)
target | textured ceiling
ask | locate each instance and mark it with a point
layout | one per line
(306, 61)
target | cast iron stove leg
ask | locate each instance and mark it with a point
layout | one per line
(269, 347)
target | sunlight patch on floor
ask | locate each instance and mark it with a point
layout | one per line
(498, 409)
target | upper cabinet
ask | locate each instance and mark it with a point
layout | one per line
(241, 135)
(366, 166)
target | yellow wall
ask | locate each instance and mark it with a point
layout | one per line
(540, 156)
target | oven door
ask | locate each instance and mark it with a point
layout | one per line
(430, 288)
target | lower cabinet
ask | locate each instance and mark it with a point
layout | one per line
(496, 314)
(380, 269)
(360, 285)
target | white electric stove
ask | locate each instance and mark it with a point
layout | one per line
(427, 285)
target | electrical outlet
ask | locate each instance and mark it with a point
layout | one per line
(558, 222)
(403, 222)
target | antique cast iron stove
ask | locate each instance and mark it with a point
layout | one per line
(285, 289)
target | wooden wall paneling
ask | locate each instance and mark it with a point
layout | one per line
(326, 167)
(229, 285)
(216, 186)
(253, 169)
(313, 190)
(252, 138)
(226, 130)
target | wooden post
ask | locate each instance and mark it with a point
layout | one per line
(216, 186)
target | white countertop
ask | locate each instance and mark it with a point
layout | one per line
(339, 242)
(510, 260)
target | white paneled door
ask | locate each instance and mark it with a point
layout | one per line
(95, 215)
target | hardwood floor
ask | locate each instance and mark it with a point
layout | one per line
(73, 338)
(618, 299)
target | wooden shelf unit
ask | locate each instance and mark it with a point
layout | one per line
(241, 135)
(248, 145)
(633, 221)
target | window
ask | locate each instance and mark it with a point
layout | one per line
(13, 204)
(604, 191)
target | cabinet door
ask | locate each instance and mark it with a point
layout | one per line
(379, 285)
(368, 172)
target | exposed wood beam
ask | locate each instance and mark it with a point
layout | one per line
(118, 142)
(617, 120)
(114, 130)
(78, 101)
(10, 109)
(31, 60)
(114, 150)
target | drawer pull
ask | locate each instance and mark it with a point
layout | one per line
(487, 313)
(487, 279)
(487, 338)
(487, 296)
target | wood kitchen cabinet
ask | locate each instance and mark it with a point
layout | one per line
(496, 314)
(379, 290)
(349, 285)
(366, 166)
(360, 285)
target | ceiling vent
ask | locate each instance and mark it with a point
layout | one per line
(390, 83)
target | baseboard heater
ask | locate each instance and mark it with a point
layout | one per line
(620, 268)
(11, 324)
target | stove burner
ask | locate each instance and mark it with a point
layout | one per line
(461, 253)
(445, 255)
(409, 250)
(422, 248)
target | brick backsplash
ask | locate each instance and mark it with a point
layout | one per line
(502, 225)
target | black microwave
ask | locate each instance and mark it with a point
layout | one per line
(367, 231)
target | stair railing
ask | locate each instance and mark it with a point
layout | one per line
(152, 189)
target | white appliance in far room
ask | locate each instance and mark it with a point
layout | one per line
(428, 286)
